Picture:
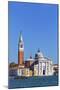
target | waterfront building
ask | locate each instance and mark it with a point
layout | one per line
(29, 62)
(37, 66)
(42, 65)
(55, 69)
(13, 69)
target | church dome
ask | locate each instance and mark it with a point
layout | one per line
(40, 54)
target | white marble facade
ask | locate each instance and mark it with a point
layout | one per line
(43, 67)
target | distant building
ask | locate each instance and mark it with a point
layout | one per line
(37, 66)
(42, 65)
(13, 69)
(28, 62)
(55, 69)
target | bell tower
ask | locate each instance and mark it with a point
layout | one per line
(20, 50)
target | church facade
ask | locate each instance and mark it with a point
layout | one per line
(42, 65)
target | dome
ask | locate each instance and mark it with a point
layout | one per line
(40, 54)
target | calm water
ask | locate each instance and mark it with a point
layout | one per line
(33, 82)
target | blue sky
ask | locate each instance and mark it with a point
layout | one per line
(39, 26)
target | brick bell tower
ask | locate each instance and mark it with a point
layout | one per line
(20, 51)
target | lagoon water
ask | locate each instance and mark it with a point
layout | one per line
(39, 81)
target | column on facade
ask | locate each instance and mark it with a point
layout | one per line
(40, 68)
(46, 69)
(50, 68)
